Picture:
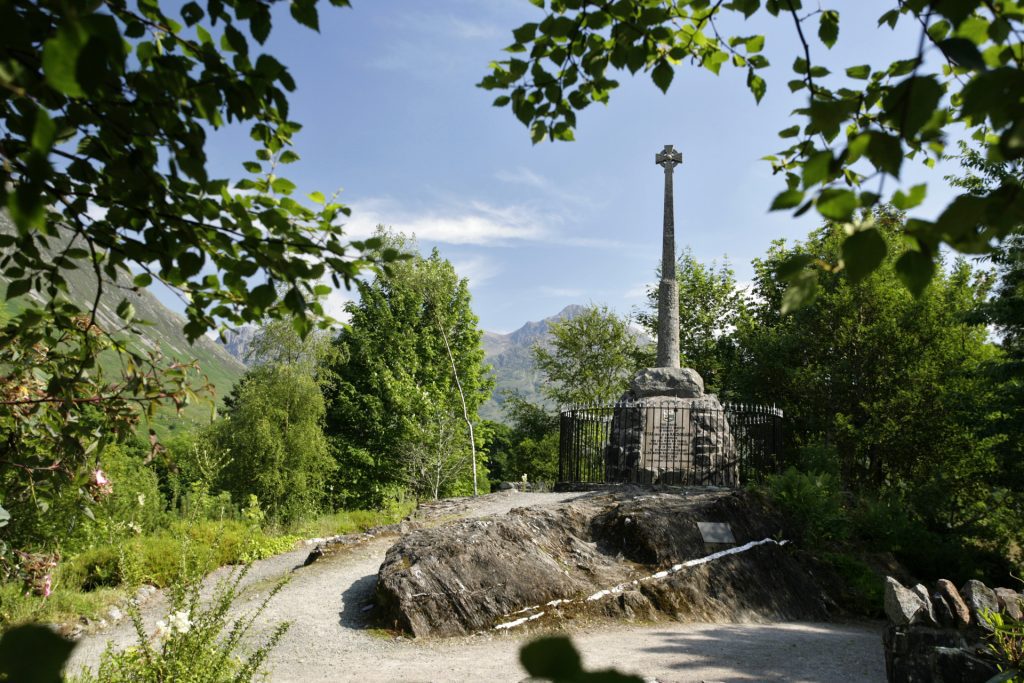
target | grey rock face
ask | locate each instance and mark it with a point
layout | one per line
(979, 598)
(902, 605)
(1010, 602)
(929, 610)
(473, 575)
(661, 382)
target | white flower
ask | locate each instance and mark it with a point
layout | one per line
(142, 500)
(179, 621)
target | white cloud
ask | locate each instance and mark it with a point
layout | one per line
(475, 223)
(476, 268)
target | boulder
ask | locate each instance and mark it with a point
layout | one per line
(949, 593)
(942, 611)
(979, 598)
(902, 605)
(665, 382)
(929, 611)
(1010, 602)
(468, 576)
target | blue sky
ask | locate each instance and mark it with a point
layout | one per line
(392, 118)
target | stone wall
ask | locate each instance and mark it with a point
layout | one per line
(939, 636)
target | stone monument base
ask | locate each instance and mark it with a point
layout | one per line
(666, 430)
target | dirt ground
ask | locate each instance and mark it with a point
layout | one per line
(332, 639)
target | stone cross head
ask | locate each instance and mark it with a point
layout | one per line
(668, 158)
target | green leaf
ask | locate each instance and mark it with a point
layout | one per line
(912, 102)
(756, 85)
(662, 75)
(863, 252)
(787, 200)
(915, 270)
(790, 132)
(913, 198)
(252, 167)
(317, 197)
(17, 288)
(44, 132)
(5, 517)
(802, 290)
(283, 186)
(861, 71)
(748, 7)
(963, 53)
(126, 310)
(837, 204)
(828, 27)
(890, 17)
(60, 59)
(816, 168)
(304, 12)
(793, 266)
(754, 44)
(33, 654)
(885, 152)
(553, 658)
(142, 280)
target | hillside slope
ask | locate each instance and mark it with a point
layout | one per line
(163, 334)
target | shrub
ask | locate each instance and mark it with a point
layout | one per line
(195, 643)
(811, 503)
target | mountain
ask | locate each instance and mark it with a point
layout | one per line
(237, 342)
(163, 334)
(512, 363)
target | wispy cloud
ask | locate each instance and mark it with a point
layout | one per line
(476, 268)
(520, 176)
(476, 223)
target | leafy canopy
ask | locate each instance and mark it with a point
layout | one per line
(854, 132)
(590, 358)
(105, 112)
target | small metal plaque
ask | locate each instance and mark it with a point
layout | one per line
(716, 532)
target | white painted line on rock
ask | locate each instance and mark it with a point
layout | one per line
(623, 586)
(520, 622)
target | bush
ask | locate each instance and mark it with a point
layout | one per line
(811, 503)
(195, 643)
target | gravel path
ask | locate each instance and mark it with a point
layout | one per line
(328, 639)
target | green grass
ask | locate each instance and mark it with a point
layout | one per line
(92, 581)
(350, 521)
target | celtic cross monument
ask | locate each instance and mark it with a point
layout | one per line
(665, 429)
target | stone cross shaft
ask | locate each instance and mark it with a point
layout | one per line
(668, 290)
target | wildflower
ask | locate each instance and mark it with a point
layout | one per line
(100, 482)
(142, 500)
(179, 621)
(47, 586)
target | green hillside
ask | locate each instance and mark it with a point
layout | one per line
(163, 333)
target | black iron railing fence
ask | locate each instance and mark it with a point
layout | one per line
(685, 442)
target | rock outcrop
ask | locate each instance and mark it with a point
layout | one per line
(946, 644)
(618, 555)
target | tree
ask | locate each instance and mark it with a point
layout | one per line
(710, 305)
(411, 335)
(104, 115)
(885, 388)
(591, 357)
(853, 131)
(272, 433)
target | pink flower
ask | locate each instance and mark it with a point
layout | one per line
(100, 482)
(47, 586)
